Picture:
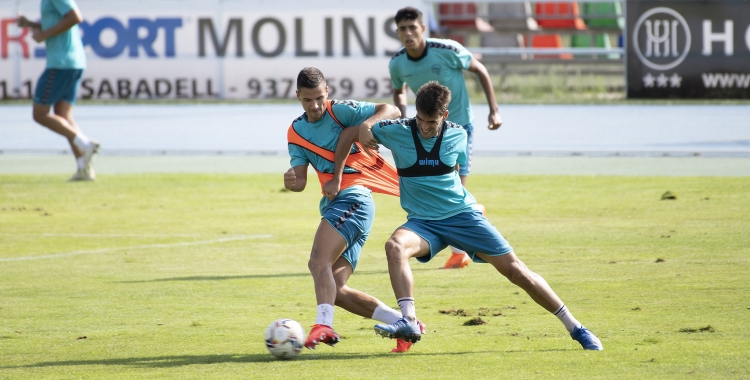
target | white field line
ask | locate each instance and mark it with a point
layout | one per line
(148, 246)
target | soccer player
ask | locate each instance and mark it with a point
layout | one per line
(440, 211)
(58, 85)
(347, 215)
(425, 59)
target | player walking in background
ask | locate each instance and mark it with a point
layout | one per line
(426, 59)
(348, 213)
(58, 85)
(440, 211)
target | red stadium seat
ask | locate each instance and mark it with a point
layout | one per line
(458, 15)
(559, 16)
(549, 41)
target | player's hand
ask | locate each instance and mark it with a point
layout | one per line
(494, 120)
(368, 141)
(290, 179)
(22, 21)
(37, 35)
(331, 188)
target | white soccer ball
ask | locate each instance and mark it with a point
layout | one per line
(285, 338)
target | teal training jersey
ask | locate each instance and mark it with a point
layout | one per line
(325, 134)
(442, 61)
(433, 197)
(65, 50)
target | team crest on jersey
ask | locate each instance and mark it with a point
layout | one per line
(450, 147)
(436, 68)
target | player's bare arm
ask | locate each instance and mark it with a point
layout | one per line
(478, 68)
(295, 179)
(382, 112)
(23, 22)
(70, 19)
(400, 100)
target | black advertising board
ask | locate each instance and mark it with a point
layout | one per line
(688, 49)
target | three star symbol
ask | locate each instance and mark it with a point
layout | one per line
(674, 81)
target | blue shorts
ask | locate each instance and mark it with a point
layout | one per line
(469, 231)
(57, 85)
(351, 215)
(464, 169)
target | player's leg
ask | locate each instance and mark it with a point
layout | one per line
(342, 231)
(538, 289)
(327, 247)
(64, 110)
(458, 258)
(473, 232)
(361, 303)
(54, 86)
(402, 245)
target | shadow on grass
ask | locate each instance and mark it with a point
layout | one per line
(256, 276)
(185, 360)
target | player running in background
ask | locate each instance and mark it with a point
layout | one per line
(58, 85)
(426, 59)
(440, 211)
(347, 214)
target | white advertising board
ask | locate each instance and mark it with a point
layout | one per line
(233, 49)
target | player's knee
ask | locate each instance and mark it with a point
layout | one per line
(39, 115)
(316, 266)
(394, 248)
(342, 292)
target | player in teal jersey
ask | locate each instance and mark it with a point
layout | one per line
(347, 215)
(425, 59)
(58, 85)
(440, 211)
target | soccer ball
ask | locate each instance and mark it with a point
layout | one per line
(285, 338)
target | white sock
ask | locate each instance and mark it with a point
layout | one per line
(325, 315)
(407, 308)
(383, 313)
(81, 141)
(566, 317)
(79, 162)
(456, 250)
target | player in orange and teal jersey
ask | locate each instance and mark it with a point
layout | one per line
(347, 207)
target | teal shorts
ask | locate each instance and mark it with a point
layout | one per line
(470, 231)
(352, 215)
(57, 85)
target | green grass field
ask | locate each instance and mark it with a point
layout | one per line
(177, 276)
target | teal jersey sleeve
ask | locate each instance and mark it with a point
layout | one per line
(351, 112)
(297, 156)
(397, 82)
(63, 6)
(460, 57)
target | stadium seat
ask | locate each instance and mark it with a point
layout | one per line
(461, 16)
(559, 16)
(511, 16)
(600, 40)
(603, 15)
(548, 41)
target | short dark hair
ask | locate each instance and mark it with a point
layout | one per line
(408, 13)
(310, 77)
(433, 99)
